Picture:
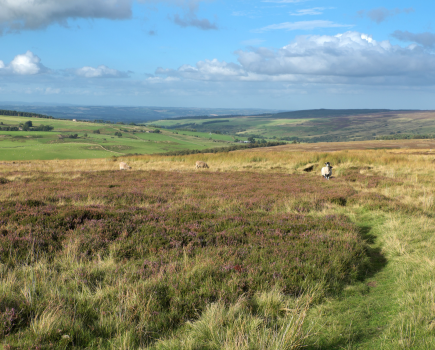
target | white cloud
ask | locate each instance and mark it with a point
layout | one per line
(34, 14)
(205, 70)
(301, 25)
(310, 12)
(25, 64)
(349, 58)
(99, 72)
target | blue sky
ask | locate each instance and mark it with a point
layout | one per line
(283, 54)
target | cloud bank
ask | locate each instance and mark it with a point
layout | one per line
(349, 58)
(35, 14)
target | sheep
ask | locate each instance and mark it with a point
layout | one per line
(327, 171)
(200, 164)
(124, 166)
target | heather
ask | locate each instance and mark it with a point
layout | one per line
(255, 258)
(179, 240)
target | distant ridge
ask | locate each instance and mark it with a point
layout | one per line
(324, 113)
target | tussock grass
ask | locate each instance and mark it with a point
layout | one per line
(257, 255)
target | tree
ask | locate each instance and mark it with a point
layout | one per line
(251, 139)
(28, 124)
(96, 131)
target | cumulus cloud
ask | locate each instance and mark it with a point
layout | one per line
(381, 14)
(35, 14)
(426, 39)
(301, 25)
(99, 72)
(349, 58)
(25, 64)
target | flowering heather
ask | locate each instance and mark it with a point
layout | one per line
(150, 250)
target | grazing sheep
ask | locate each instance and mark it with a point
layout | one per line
(327, 171)
(124, 166)
(200, 164)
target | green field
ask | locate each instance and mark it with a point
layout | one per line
(28, 145)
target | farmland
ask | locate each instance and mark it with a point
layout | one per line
(56, 144)
(253, 253)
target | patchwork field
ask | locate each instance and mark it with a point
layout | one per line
(56, 144)
(253, 253)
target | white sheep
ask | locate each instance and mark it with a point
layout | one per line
(327, 171)
(124, 166)
(200, 164)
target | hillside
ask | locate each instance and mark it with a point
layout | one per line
(253, 251)
(316, 125)
(126, 114)
(69, 140)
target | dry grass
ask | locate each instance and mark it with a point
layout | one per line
(404, 178)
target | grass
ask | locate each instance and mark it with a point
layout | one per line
(253, 253)
(36, 145)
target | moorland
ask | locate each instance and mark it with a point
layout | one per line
(316, 125)
(255, 252)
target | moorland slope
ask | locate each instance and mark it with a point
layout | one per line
(317, 125)
(253, 253)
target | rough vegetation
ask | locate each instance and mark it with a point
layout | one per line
(259, 256)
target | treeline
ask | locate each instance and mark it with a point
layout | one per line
(26, 128)
(404, 137)
(24, 114)
(222, 149)
(216, 121)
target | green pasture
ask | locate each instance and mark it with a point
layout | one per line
(29, 145)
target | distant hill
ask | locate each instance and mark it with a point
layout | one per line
(128, 114)
(317, 125)
(325, 113)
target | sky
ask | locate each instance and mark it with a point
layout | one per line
(273, 54)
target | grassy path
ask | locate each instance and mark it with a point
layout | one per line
(393, 307)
